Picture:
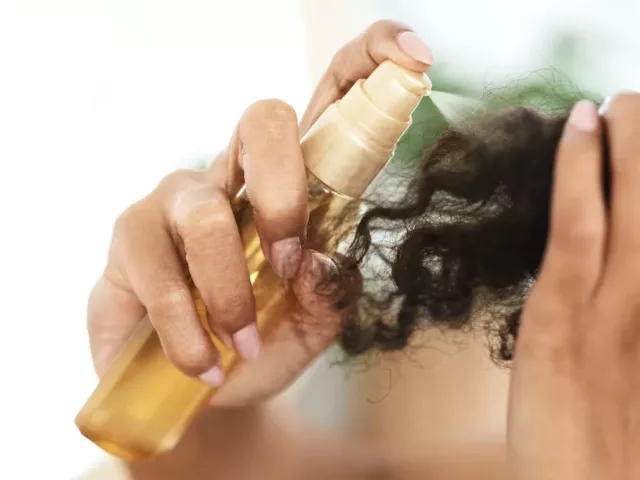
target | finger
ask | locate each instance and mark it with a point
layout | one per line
(215, 255)
(623, 120)
(299, 336)
(267, 147)
(577, 235)
(384, 40)
(151, 264)
(113, 312)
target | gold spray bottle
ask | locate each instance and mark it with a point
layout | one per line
(143, 405)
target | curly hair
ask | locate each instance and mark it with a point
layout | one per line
(465, 244)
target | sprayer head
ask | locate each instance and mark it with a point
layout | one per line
(354, 139)
(396, 91)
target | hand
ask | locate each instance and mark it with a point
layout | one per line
(575, 401)
(185, 228)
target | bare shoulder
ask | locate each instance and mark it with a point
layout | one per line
(440, 397)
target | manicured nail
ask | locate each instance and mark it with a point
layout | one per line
(286, 255)
(247, 342)
(604, 106)
(213, 377)
(412, 45)
(584, 116)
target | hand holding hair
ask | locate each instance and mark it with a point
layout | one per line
(541, 250)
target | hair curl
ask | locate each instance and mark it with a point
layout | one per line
(466, 242)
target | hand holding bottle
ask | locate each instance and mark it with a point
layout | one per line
(185, 231)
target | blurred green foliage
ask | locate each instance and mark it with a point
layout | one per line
(552, 89)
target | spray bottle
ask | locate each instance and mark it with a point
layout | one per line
(143, 405)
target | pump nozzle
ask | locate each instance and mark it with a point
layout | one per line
(354, 138)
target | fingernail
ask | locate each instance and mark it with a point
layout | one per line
(247, 342)
(584, 116)
(286, 255)
(412, 45)
(604, 106)
(213, 377)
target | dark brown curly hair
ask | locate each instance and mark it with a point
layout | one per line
(465, 244)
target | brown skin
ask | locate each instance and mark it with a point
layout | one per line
(187, 220)
(187, 223)
(262, 442)
(573, 399)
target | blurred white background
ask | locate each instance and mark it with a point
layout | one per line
(101, 98)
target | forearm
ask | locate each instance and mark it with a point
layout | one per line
(264, 442)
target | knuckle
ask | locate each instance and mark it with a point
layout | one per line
(132, 218)
(185, 346)
(545, 303)
(127, 219)
(134, 227)
(205, 219)
(174, 180)
(233, 311)
(385, 25)
(567, 279)
(270, 114)
(339, 64)
(561, 353)
(149, 209)
(171, 297)
(568, 284)
(194, 357)
(548, 330)
(578, 236)
(371, 39)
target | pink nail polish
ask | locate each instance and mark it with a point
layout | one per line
(214, 377)
(412, 45)
(584, 116)
(247, 342)
(286, 256)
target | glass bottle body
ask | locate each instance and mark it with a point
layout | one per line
(143, 405)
